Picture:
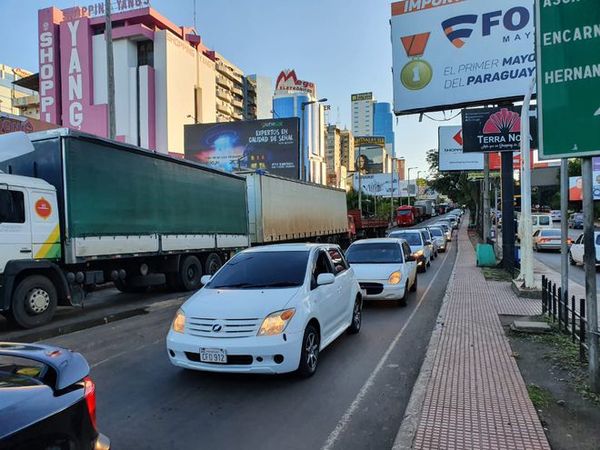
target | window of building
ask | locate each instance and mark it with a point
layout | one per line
(145, 50)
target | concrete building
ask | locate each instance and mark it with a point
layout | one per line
(362, 114)
(263, 88)
(291, 99)
(15, 99)
(383, 125)
(165, 77)
(348, 156)
(333, 155)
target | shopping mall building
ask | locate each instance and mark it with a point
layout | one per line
(164, 76)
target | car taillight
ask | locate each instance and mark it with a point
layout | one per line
(90, 398)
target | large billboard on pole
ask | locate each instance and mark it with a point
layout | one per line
(270, 144)
(450, 53)
(381, 185)
(451, 156)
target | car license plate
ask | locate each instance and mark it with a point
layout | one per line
(213, 355)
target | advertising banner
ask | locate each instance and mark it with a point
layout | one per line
(270, 144)
(287, 82)
(460, 52)
(576, 187)
(451, 156)
(380, 185)
(369, 152)
(495, 129)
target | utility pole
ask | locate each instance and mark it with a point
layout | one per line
(392, 194)
(564, 228)
(359, 180)
(110, 75)
(589, 259)
(525, 224)
(486, 197)
(508, 226)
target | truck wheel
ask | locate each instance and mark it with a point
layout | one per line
(190, 273)
(212, 264)
(33, 302)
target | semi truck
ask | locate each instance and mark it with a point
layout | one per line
(366, 227)
(428, 206)
(78, 210)
(406, 216)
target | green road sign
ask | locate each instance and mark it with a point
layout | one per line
(568, 77)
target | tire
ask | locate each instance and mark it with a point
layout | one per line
(124, 286)
(33, 302)
(402, 301)
(422, 269)
(356, 323)
(309, 355)
(190, 272)
(571, 260)
(428, 262)
(414, 286)
(212, 263)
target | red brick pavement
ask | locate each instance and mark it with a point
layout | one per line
(476, 397)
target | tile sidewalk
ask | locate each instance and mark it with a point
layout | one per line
(475, 397)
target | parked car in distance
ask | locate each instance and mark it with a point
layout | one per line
(385, 268)
(556, 215)
(576, 221)
(447, 229)
(269, 309)
(576, 249)
(47, 399)
(439, 236)
(550, 239)
(418, 247)
(538, 222)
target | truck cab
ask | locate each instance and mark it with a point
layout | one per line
(29, 241)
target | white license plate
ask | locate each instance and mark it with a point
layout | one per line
(213, 355)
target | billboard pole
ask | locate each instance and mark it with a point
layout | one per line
(526, 274)
(564, 229)
(486, 197)
(392, 195)
(359, 181)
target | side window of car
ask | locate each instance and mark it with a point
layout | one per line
(338, 260)
(406, 250)
(322, 265)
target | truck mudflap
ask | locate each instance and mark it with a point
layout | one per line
(14, 268)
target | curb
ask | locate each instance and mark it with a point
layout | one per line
(410, 421)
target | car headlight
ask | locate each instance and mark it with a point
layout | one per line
(178, 322)
(395, 278)
(276, 322)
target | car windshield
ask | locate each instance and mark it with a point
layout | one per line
(544, 220)
(437, 232)
(375, 253)
(404, 212)
(411, 238)
(254, 270)
(551, 233)
(598, 239)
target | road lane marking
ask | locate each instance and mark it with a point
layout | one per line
(347, 417)
(124, 352)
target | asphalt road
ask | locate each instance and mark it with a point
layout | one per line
(356, 400)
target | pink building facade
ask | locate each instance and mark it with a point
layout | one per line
(164, 76)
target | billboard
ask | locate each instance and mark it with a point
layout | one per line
(270, 144)
(287, 81)
(460, 52)
(450, 148)
(369, 151)
(380, 185)
(576, 187)
(496, 129)
(362, 96)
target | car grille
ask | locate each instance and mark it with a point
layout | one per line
(372, 288)
(232, 360)
(229, 328)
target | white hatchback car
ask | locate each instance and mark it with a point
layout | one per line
(420, 248)
(576, 250)
(269, 309)
(385, 268)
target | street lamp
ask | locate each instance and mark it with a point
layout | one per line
(303, 168)
(408, 183)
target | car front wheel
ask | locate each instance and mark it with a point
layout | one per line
(356, 317)
(309, 356)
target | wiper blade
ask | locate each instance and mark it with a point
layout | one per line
(278, 284)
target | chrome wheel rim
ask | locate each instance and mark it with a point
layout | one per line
(38, 300)
(312, 350)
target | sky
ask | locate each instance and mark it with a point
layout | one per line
(341, 45)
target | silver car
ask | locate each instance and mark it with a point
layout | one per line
(439, 237)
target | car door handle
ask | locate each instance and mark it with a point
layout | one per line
(25, 250)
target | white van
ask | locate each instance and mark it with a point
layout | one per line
(538, 222)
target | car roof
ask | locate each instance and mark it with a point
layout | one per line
(378, 241)
(410, 230)
(288, 247)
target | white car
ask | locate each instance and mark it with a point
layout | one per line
(418, 246)
(556, 215)
(269, 309)
(576, 250)
(385, 268)
(439, 237)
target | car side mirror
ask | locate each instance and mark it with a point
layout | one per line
(325, 278)
(205, 279)
(427, 242)
(410, 258)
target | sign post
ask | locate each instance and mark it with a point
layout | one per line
(568, 73)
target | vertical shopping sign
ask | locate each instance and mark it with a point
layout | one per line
(568, 77)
